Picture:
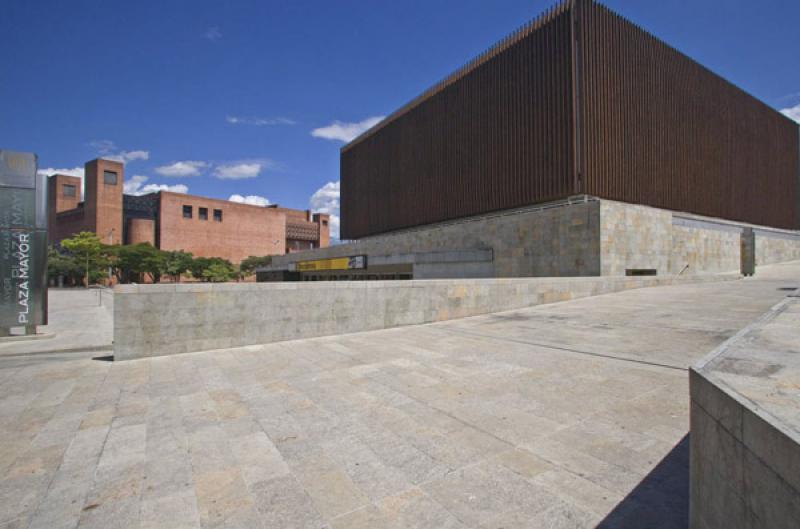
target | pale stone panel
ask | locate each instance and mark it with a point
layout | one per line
(634, 237)
(583, 238)
(698, 250)
(547, 241)
(776, 247)
(166, 319)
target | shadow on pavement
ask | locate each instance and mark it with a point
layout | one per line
(660, 500)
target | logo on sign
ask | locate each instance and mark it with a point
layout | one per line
(20, 272)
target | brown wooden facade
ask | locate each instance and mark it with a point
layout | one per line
(579, 101)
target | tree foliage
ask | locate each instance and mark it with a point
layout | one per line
(219, 272)
(137, 262)
(248, 266)
(214, 269)
(63, 265)
(177, 263)
(90, 252)
(132, 261)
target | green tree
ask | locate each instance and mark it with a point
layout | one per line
(198, 266)
(177, 263)
(219, 272)
(63, 265)
(154, 263)
(130, 261)
(222, 270)
(248, 266)
(89, 251)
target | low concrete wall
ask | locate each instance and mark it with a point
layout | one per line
(745, 428)
(155, 320)
(776, 246)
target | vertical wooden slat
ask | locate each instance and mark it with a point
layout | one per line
(653, 127)
(681, 137)
(493, 135)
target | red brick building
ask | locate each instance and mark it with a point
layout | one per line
(206, 227)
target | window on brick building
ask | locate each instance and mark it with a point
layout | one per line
(187, 212)
(218, 215)
(110, 178)
(202, 213)
(324, 222)
(68, 190)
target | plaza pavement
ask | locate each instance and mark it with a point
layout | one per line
(568, 415)
(78, 321)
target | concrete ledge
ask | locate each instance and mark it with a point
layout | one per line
(745, 427)
(166, 319)
(26, 337)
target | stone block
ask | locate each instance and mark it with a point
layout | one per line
(716, 403)
(769, 443)
(158, 321)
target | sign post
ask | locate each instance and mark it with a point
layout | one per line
(23, 243)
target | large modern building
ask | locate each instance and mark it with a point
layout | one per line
(206, 227)
(579, 145)
(580, 101)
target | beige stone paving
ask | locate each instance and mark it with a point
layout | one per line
(568, 415)
(79, 318)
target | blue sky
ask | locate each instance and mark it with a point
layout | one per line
(254, 97)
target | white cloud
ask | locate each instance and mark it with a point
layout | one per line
(181, 169)
(136, 186)
(792, 112)
(233, 170)
(75, 171)
(213, 34)
(342, 131)
(253, 200)
(249, 120)
(109, 151)
(128, 156)
(238, 171)
(326, 200)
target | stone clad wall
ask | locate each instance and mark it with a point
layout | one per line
(545, 242)
(642, 237)
(776, 247)
(166, 319)
(596, 237)
(634, 237)
(704, 250)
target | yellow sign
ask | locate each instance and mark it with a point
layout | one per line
(336, 263)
